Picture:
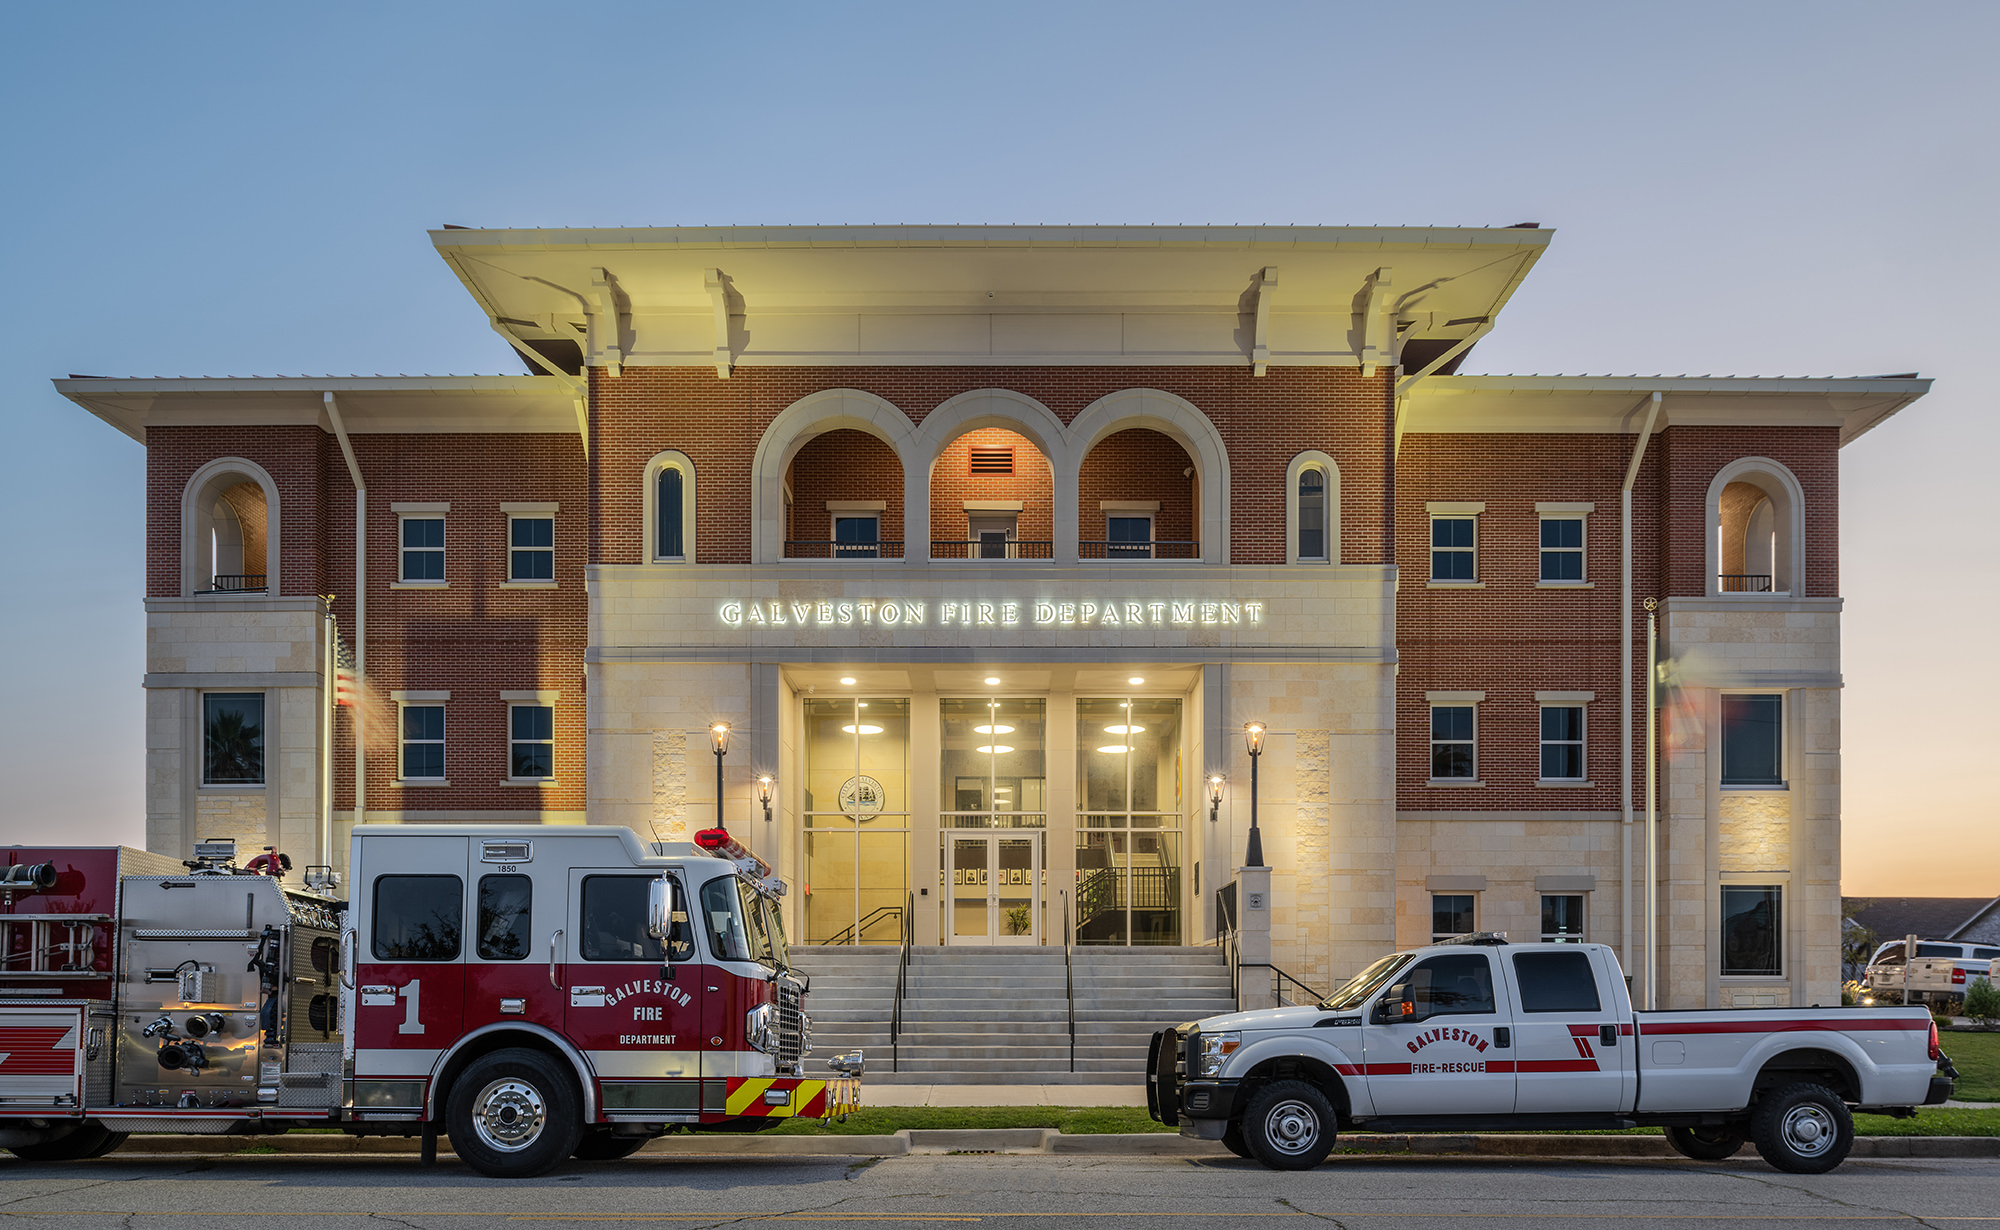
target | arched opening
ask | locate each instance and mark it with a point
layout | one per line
(844, 498)
(1312, 509)
(227, 545)
(992, 498)
(1137, 493)
(1756, 536)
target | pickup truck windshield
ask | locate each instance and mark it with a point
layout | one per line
(1355, 992)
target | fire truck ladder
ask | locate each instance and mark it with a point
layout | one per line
(48, 946)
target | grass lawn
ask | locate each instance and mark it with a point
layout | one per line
(1977, 1057)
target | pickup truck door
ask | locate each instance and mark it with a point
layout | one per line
(1451, 1053)
(1574, 1049)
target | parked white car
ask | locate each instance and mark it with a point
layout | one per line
(1938, 974)
(1476, 1034)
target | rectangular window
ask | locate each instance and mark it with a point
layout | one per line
(1452, 743)
(857, 537)
(423, 548)
(531, 746)
(1128, 537)
(1562, 918)
(1562, 549)
(417, 918)
(1451, 914)
(423, 741)
(1752, 931)
(1556, 982)
(531, 548)
(232, 739)
(1562, 743)
(504, 902)
(614, 920)
(1753, 740)
(1454, 548)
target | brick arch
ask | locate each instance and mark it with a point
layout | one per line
(1179, 420)
(204, 488)
(1004, 409)
(797, 424)
(1776, 483)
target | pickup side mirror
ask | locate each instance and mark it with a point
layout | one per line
(1396, 1007)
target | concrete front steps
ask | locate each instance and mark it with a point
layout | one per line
(1000, 1016)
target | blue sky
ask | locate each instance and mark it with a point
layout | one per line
(1771, 189)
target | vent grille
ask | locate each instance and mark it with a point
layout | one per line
(991, 461)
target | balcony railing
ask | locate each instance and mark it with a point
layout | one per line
(809, 548)
(1745, 583)
(1156, 549)
(238, 583)
(951, 548)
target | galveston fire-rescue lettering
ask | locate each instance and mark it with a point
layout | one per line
(648, 986)
(1103, 613)
(1448, 1034)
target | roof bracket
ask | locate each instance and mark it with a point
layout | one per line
(603, 333)
(1260, 347)
(1378, 324)
(718, 298)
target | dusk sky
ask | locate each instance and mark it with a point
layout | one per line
(1769, 189)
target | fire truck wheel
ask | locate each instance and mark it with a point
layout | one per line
(1802, 1129)
(90, 1139)
(1232, 1140)
(602, 1146)
(1289, 1126)
(514, 1114)
(1708, 1143)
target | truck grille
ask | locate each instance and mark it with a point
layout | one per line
(791, 1027)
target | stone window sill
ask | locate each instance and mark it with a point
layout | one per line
(1565, 585)
(529, 781)
(1564, 784)
(232, 787)
(418, 783)
(527, 585)
(1450, 782)
(1454, 585)
(1772, 788)
(419, 585)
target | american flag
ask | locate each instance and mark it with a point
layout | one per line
(346, 683)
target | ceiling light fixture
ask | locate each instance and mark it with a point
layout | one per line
(861, 728)
(847, 680)
(997, 749)
(993, 728)
(1136, 680)
(1123, 729)
(1114, 748)
(992, 680)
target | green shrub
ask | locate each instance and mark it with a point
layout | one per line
(1982, 1002)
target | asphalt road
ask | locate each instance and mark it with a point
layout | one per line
(1015, 1192)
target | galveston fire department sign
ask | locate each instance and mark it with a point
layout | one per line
(1104, 613)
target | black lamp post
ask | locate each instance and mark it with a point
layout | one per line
(1253, 738)
(719, 735)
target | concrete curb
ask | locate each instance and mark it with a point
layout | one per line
(1050, 1141)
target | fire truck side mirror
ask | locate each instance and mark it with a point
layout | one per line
(667, 919)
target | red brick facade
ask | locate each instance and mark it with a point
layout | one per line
(1032, 483)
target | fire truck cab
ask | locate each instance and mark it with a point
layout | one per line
(535, 994)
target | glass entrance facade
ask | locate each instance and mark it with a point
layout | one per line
(1130, 780)
(857, 820)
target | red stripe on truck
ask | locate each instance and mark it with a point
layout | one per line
(1778, 1027)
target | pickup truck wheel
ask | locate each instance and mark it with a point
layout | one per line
(1232, 1140)
(514, 1114)
(89, 1139)
(1802, 1129)
(1289, 1126)
(602, 1146)
(1708, 1143)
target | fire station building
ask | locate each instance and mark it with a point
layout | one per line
(986, 544)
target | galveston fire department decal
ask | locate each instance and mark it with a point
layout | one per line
(647, 986)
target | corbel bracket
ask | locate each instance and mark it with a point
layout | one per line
(603, 318)
(1378, 324)
(1260, 342)
(718, 299)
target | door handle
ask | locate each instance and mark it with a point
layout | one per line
(1503, 1036)
(346, 949)
(1608, 1034)
(552, 959)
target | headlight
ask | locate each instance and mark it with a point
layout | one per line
(759, 1027)
(1215, 1049)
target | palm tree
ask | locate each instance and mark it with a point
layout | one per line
(235, 748)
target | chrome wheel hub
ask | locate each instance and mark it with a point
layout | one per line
(1809, 1130)
(509, 1115)
(1292, 1127)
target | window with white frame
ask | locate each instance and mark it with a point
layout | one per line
(1562, 743)
(531, 741)
(1562, 918)
(422, 741)
(1561, 548)
(1128, 536)
(1452, 914)
(423, 548)
(1454, 548)
(1454, 742)
(1753, 740)
(531, 547)
(670, 537)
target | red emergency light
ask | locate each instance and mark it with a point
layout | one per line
(719, 842)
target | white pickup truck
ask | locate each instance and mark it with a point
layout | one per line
(1476, 1034)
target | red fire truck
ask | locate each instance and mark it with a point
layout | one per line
(534, 994)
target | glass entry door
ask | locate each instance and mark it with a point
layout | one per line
(994, 881)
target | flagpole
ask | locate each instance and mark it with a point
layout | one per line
(330, 681)
(1652, 810)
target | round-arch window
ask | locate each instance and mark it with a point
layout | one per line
(1312, 514)
(667, 514)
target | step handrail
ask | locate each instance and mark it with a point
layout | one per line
(851, 936)
(1069, 979)
(902, 980)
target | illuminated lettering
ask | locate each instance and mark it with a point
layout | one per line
(1110, 614)
(732, 614)
(844, 612)
(1065, 612)
(801, 613)
(1158, 610)
(1208, 612)
(1232, 613)
(1132, 615)
(1088, 613)
(986, 613)
(867, 610)
(892, 613)
(824, 611)
(1045, 612)
(1010, 614)
(777, 614)
(756, 614)
(913, 612)
(1255, 610)
(1183, 612)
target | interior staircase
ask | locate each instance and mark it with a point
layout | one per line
(1000, 1016)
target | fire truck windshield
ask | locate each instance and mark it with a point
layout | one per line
(741, 924)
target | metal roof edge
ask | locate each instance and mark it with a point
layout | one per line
(924, 235)
(1821, 385)
(82, 386)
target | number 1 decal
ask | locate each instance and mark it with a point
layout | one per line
(410, 1025)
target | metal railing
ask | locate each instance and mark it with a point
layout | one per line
(1069, 980)
(1744, 583)
(1226, 938)
(236, 583)
(902, 985)
(1159, 548)
(814, 548)
(1280, 980)
(953, 548)
(852, 935)
(1117, 889)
